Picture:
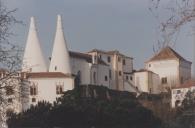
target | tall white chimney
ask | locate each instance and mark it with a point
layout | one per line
(60, 60)
(33, 59)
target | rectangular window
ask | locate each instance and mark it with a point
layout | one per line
(164, 80)
(131, 78)
(119, 59)
(124, 62)
(110, 74)
(33, 99)
(120, 73)
(59, 89)
(109, 59)
(33, 90)
(106, 78)
(127, 77)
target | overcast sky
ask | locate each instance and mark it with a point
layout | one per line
(125, 25)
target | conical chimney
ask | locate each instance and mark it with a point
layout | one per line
(33, 60)
(60, 60)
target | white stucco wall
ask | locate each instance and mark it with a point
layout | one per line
(47, 89)
(141, 81)
(83, 66)
(165, 68)
(103, 71)
(147, 82)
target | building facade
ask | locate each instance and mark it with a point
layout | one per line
(178, 94)
(120, 68)
(147, 81)
(68, 69)
(172, 68)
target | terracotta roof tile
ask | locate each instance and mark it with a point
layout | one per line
(47, 75)
(186, 84)
(110, 52)
(167, 53)
(86, 57)
(144, 70)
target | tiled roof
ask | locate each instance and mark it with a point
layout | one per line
(186, 84)
(86, 57)
(109, 52)
(167, 53)
(47, 75)
(144, 70)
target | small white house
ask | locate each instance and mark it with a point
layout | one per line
(147, 81)
(179, 93)
(172, 68)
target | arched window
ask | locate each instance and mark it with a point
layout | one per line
(33, 89)
(59, 88)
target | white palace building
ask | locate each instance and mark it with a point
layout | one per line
(111, 69)
(68, 69)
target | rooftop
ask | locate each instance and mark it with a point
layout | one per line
(166, 54)
(47, 75)
(144, 70)
(186, 84)
(86, 57)
(112, 52)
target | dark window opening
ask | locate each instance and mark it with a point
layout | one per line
(127, 77)
(120, 73)
(106, 78)
(55, 68)
(110, 74)
(59, 89)
(131, 78)
(78, 79)
(33, 90)
(164, 80)
(119, 59)
(109, 59)
(124, 62)
(33, 99)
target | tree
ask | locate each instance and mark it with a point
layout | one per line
(10, 59)
(75, 109)
(176, 13)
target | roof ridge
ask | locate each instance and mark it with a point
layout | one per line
(166, 53)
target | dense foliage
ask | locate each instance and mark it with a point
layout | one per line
(86, 107)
